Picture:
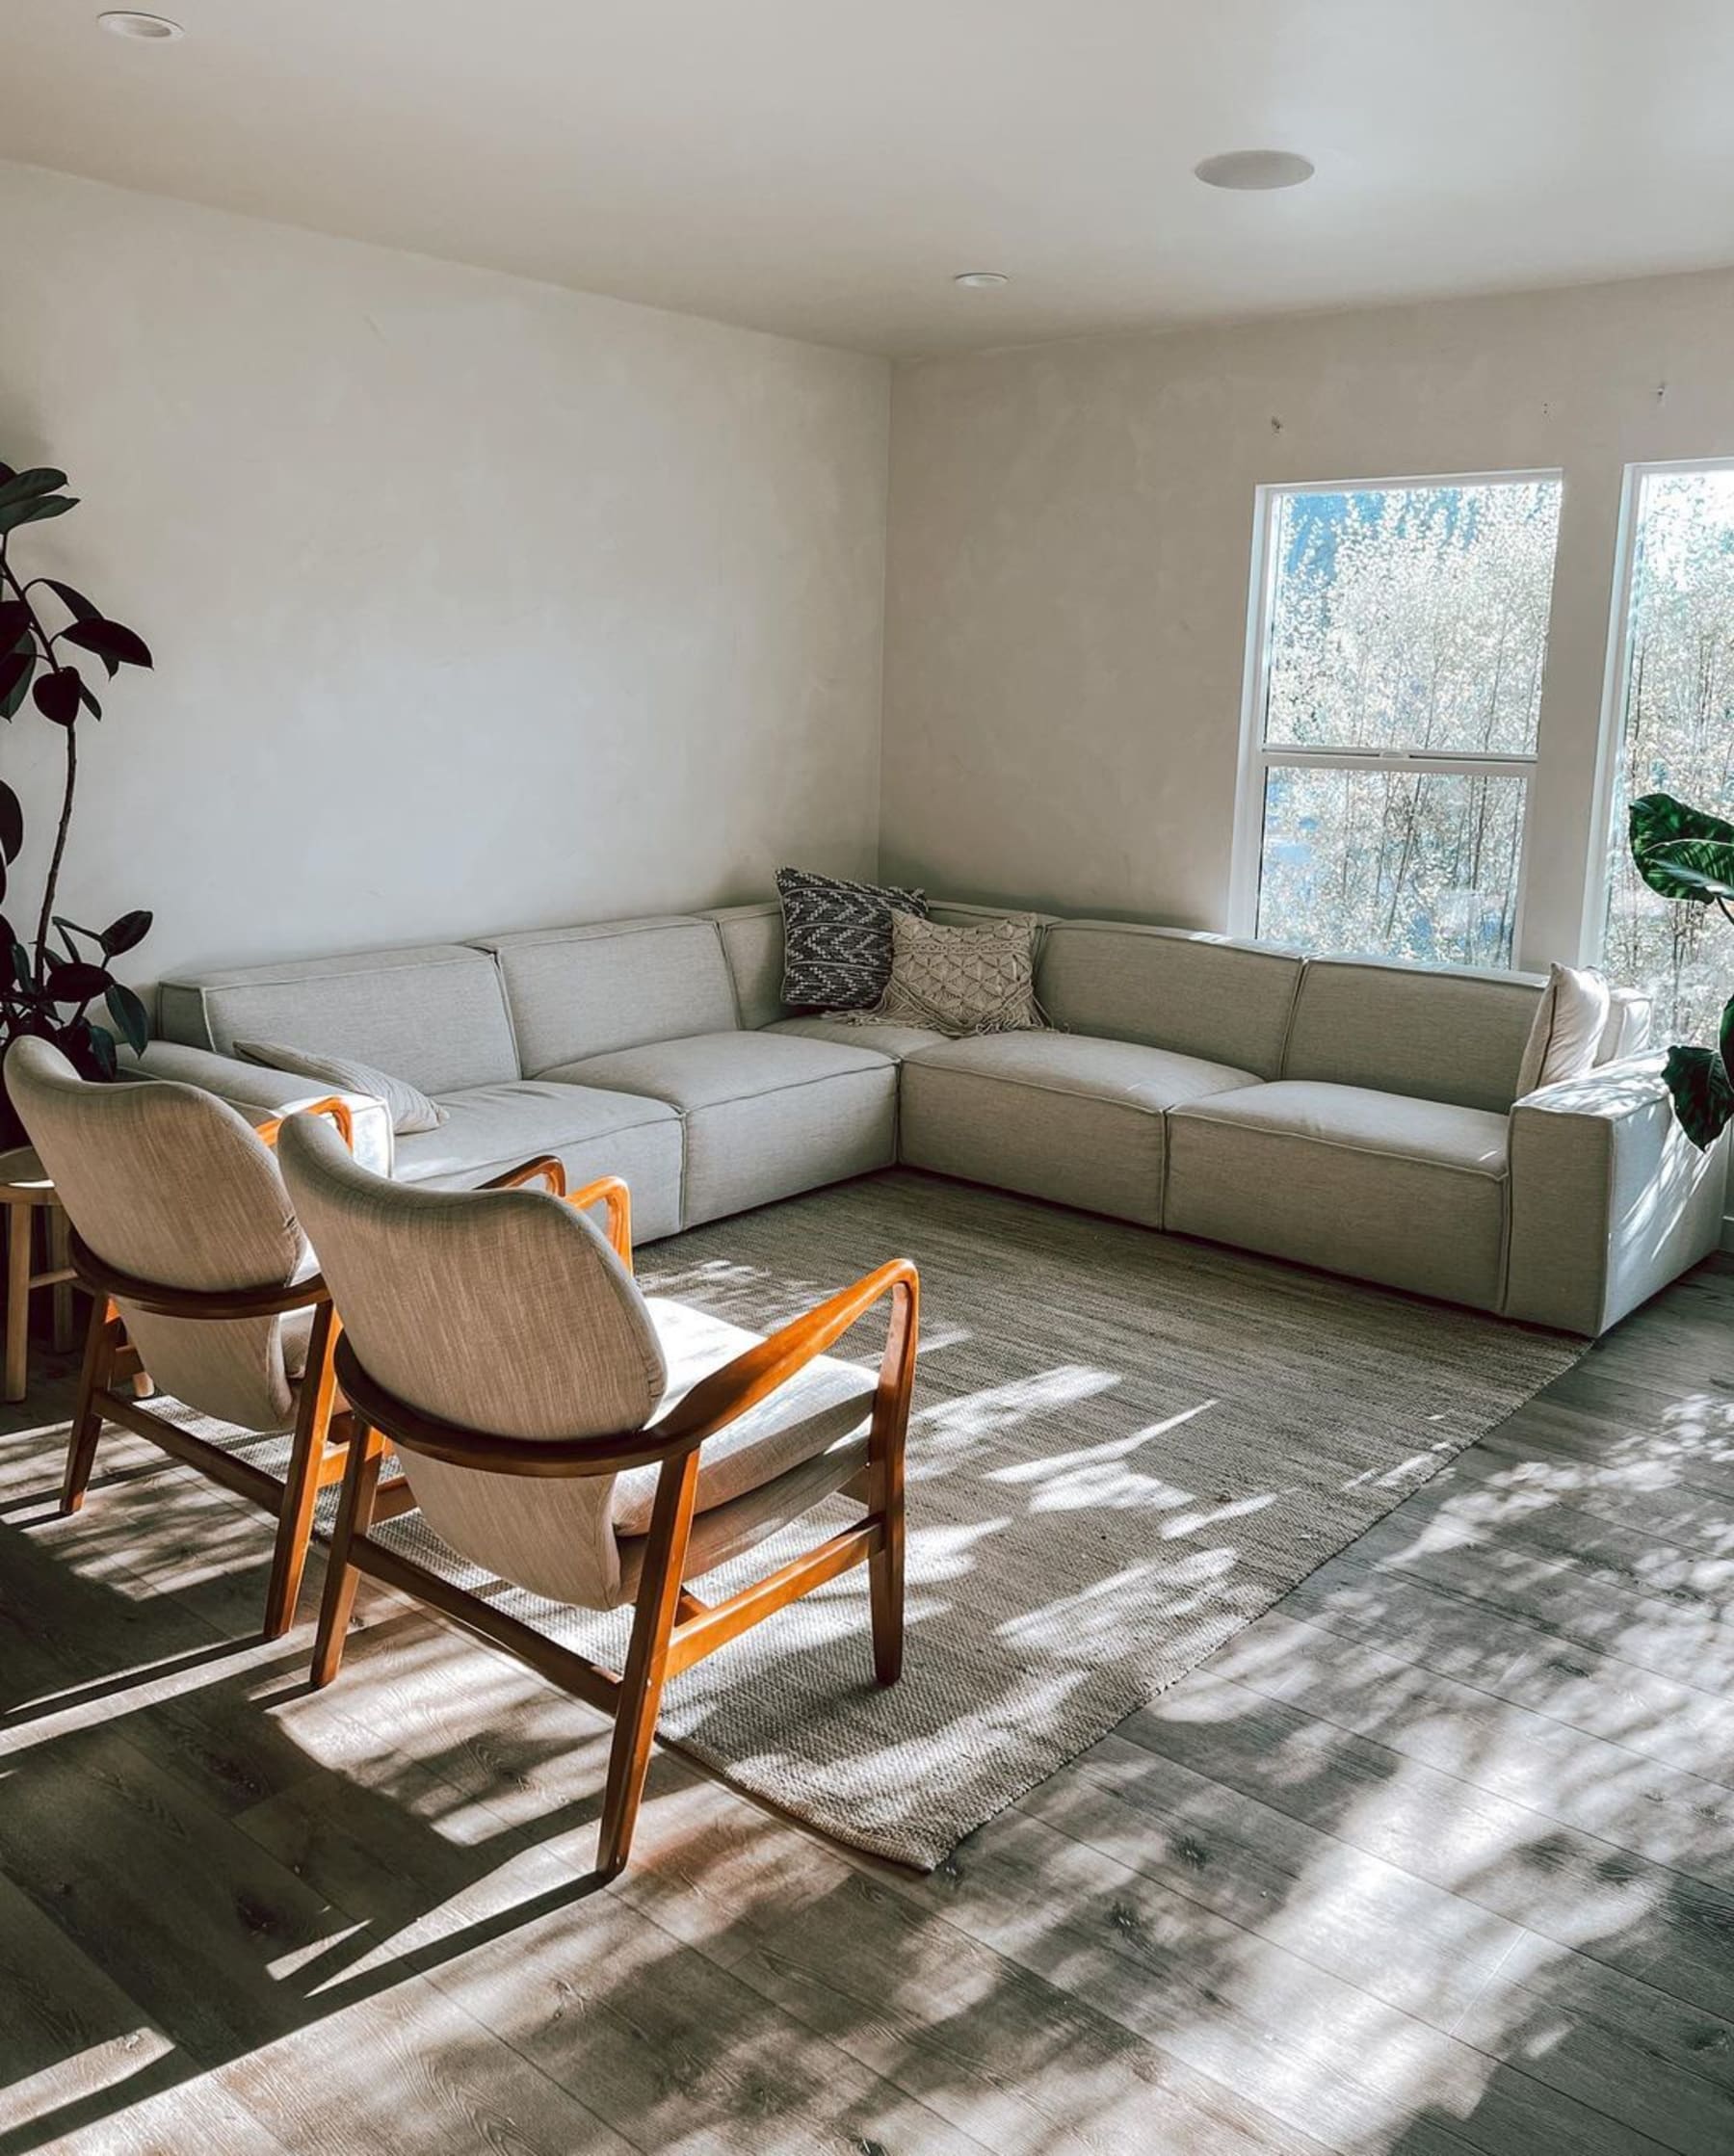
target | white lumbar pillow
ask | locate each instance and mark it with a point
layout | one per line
(408, 1107)
(1569, 1022)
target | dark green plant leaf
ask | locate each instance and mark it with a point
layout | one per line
(113, 641)
(59, 694)
(1725, 1038)
(15, 670)
(75, 980)
(24, 487)
(22, 971)
(73, 600)
(69, 929)
(11, 828)
(6, 475)
(15, 513)
(1659, 820)
(14, 623)
(103, 1051)
(125, 933)
(131, 1015)
(1703, 1095)
(1704, 868)
(88, 700)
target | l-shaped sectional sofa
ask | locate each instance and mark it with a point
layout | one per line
(1344, 1113)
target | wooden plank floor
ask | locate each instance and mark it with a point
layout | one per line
(1438, 1856)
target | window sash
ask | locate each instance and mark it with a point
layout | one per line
(1258, 755)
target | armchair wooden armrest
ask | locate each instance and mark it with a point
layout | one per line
(337, 1110)
(606, 1189)
(726, 1394)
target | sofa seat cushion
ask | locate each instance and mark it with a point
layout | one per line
(1383, 1186)
(1061, 1116)
(883, 1036)
(824, 1404)
(765, 1113)
(489, 1128)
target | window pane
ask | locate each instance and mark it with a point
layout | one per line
(1411, 864)
(1411, 617)
(1677, 737)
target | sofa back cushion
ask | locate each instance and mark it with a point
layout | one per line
(433, 1013)
(1436, 1033)
(605, 986)
(752, 943)
(1198, 996)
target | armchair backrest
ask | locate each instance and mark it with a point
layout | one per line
(504, 1312)
(167, 1184)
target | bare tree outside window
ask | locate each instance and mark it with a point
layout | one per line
(1403, 636)
(1677, 735)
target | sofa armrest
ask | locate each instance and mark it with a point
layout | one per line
(1609, 1198)
(262, 1094)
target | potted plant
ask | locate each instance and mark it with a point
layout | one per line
(1687, 854)
(49, 984)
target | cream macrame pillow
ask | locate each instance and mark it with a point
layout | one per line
(980, 979)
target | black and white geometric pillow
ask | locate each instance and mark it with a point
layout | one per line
(837, 938)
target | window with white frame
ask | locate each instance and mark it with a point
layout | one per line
(1394, 688)
(1671, 728)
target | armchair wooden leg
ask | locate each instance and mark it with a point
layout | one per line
(300, 1484)
(646, 1660)
(885, 1590)
(355, 1516)
(101, 1340)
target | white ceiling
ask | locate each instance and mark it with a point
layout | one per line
(824, 166)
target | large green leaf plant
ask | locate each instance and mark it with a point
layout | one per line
(1687, 854)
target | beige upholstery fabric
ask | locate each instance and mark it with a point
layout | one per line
(1609, 1199)
(408, 1107)
(825, 1405)
(508, 1312)
(1377, 1185)
(766, 1113)
(960, 980)
(166, 1183)
(1566, 1034)
(1058, 1115)
(882, 1034)
(261, 1095)
(490, 1128)
(1198, 996)
(433, 1015)
(1433, 1033)
(753, 944)
(1627, 1031)
(592, 989)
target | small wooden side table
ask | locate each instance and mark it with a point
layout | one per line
(25, 1191)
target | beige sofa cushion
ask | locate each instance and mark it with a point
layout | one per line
(883, 1036)
(604, 986)
(752, 943)
(1377, 1185)
(1058, 1116)
(1433, 1033)
(1198, 996)
(593, 1133)
(766, 1113)
(432, 1014)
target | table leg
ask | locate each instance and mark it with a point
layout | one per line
(59, 1258)
(17, 1300)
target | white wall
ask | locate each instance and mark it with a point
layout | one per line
(1071, 537)
(475, 603)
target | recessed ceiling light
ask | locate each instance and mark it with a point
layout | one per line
(155, 30)
(981, 280)
(1254, 170)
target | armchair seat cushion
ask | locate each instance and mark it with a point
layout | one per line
(1054, 1115)
(766, 1113)
(1384, 1186)
(489, 1128)
(825, 1404)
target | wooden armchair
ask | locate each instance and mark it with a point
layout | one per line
(199, 1273)
(500, 1344)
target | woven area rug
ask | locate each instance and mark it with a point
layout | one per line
(1124, 1447)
